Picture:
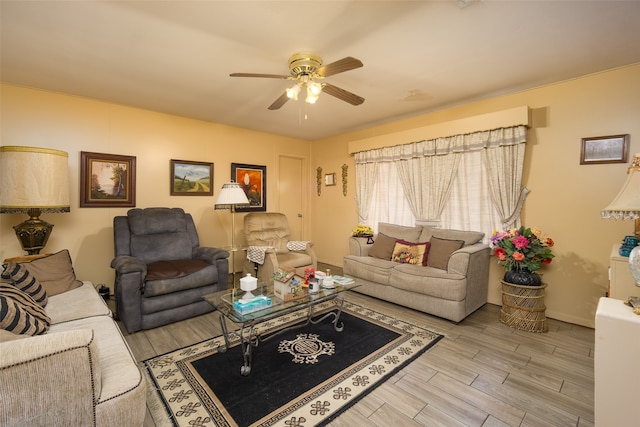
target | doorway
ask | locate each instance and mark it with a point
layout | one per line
(291, 185)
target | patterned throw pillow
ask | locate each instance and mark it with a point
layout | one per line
(410, 253)
(26, 282)
(20, 314)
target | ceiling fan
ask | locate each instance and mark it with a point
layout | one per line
(305, 69)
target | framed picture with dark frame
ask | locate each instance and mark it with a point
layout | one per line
(604, 149)
(253, 180)
(107, 180)
(189, 178)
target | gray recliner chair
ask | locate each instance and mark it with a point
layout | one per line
(269, 232)
(162, 272)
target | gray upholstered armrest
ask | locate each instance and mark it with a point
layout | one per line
(464, 260)
(358, 246)
(209, 254)
(127, 264)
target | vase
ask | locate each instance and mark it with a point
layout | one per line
(522, 277)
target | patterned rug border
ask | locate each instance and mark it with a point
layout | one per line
(187, 407)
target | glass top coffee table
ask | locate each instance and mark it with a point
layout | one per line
(249, 338)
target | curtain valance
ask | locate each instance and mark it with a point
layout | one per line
(440, 146)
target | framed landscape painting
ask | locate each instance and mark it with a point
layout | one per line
(191, 178)
(107, 180)
(253, 180)
(604, 149)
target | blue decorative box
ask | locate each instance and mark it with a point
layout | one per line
(254, 304)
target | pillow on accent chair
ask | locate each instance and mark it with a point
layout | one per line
(20, 314)
(441, 250)
(26, 282)
(55, 272)
(410, 253)
(382, 247)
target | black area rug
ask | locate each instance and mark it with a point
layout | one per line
(304, 377)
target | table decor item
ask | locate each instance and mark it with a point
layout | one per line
(248, 284)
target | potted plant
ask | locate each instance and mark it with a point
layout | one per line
(522, 252)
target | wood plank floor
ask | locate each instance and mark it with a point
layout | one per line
(482, 373)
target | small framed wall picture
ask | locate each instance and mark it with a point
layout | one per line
(107, 180)
(329, 179)
(604, 149)
(191, 178)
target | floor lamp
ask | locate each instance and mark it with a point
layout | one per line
(33, 181)
(230, 197)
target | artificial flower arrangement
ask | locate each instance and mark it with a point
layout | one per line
(522, 249)
(362, 230)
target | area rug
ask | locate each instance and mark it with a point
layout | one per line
(302, 377)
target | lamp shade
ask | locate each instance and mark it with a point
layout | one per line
(626, 205)
(33, 178)
(231, 195)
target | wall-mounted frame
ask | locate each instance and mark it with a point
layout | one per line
(329, 179)
(253, 180)
(107, 180)
(604, 149)
(189, 178)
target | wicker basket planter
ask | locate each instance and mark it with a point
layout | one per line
(523, 307)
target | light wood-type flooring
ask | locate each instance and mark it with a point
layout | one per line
(482, 373)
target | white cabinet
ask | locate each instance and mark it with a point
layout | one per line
(617, 375)
(621, 283)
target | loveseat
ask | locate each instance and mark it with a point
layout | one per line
(75, 369)
(437, 271)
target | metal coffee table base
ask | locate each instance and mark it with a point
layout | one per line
(250, 339)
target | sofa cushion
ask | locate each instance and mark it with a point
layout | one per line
(402, 232)
(382, 247)
(21, 314)
(410, 253)
(55, 272)
(469, 237)
(429, 281)
(441, 250)
(6, 336)
(26, 282)
(78, 303)
(368, 268)
(164, 286)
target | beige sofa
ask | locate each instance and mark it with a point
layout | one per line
(452, 284)
(79, 373)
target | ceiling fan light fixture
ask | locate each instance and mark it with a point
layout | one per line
(314, 88)
(292, 92)
(311, 97)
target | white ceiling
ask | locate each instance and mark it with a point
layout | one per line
(419, 56)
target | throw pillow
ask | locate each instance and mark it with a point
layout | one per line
(469, 237)
(410, 253)
(20, 314)
(441, 250)
(55, 272)
(23, 280)
(382, 247)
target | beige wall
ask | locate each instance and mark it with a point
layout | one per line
(45, 119)
(565, 199)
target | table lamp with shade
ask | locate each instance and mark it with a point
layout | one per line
(230, 197)
(626, 205)
(33, 181)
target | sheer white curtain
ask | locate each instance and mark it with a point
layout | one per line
(458, 182)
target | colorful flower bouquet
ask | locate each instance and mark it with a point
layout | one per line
(523, 249)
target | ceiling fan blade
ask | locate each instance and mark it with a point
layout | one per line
(342, 94)
(340, 66)
(279, 102)
(266, 76)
